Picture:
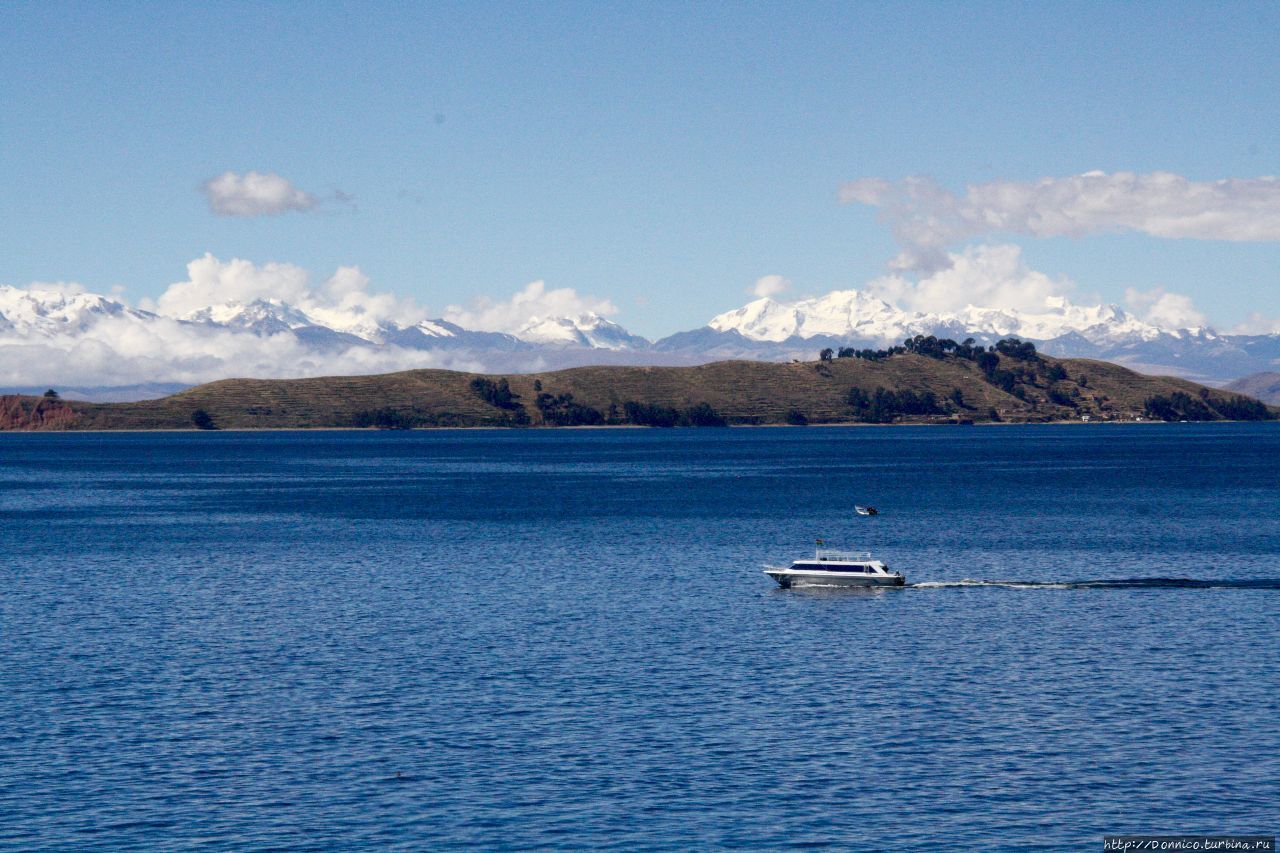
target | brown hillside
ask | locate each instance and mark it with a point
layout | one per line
(739, 391)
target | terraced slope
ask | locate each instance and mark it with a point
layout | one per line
(1039, 389)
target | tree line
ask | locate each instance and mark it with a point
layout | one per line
(882, 406)
(940, 348)
(563, 410)
(987, 360)
(1181, 406)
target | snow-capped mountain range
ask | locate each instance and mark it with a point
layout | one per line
(85, 339)
(855, 315)
(770, 329)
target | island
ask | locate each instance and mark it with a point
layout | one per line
(926, 380)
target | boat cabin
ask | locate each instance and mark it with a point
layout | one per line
(853, 562)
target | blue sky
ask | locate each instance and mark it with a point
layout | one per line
(663, 156)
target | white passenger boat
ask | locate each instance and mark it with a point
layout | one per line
(835, 568)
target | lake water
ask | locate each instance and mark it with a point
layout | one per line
(563, 638)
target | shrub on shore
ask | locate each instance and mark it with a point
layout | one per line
(883, 406)
(385, 418)
(1180, 406)
(651, 414)
(562, 410)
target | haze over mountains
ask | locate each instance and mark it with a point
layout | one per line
(93, 342)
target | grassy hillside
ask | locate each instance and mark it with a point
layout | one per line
(913, 388)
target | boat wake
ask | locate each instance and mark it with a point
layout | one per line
(1120, 583)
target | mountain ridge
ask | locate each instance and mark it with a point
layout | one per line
(765, 329)
(1262, 386)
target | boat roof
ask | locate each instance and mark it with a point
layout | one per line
(834, 555)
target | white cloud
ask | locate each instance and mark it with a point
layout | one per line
(122, 350)
(927, 217)
(66, 288)
(211, 281)
(530, 303)
(1257, 324)
(57, 334)
(51, 338)
(60, 335)
(769, 286)
(983, 276)
(1161, 308)
(254, 194)
(343, 302)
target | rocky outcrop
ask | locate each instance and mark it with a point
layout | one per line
(36, 413)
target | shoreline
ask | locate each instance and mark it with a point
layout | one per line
(604, 427)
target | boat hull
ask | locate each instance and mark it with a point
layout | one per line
(788, 578)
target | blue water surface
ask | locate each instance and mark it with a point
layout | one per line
(563, 638)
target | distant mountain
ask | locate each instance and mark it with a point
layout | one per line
(111, 394)
(559, 341)
(1263, 386)
(89, 340)
(589, 331)
(44, 313)
(272, 317)
(85, 341)
(775, 330)
(857, 316)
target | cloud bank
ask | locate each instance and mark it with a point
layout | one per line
(203, 327)
(927, 218)
(343, 301)
(1257, 324)
(534, 301)
(982, 276)
(996, 277)
(1163, 309)
(255, 194)
(121, 351)
(126, 349)
(59, 334)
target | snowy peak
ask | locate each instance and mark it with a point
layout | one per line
(51, 312)
(857, 316)
(261, 316)
(588, 330)
(272, 316)
(841, 313)
(1096, 323)
(438, 329)
(95, 340)
(762, 320)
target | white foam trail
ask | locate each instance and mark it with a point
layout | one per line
(1111, 583)
(1002, 584)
